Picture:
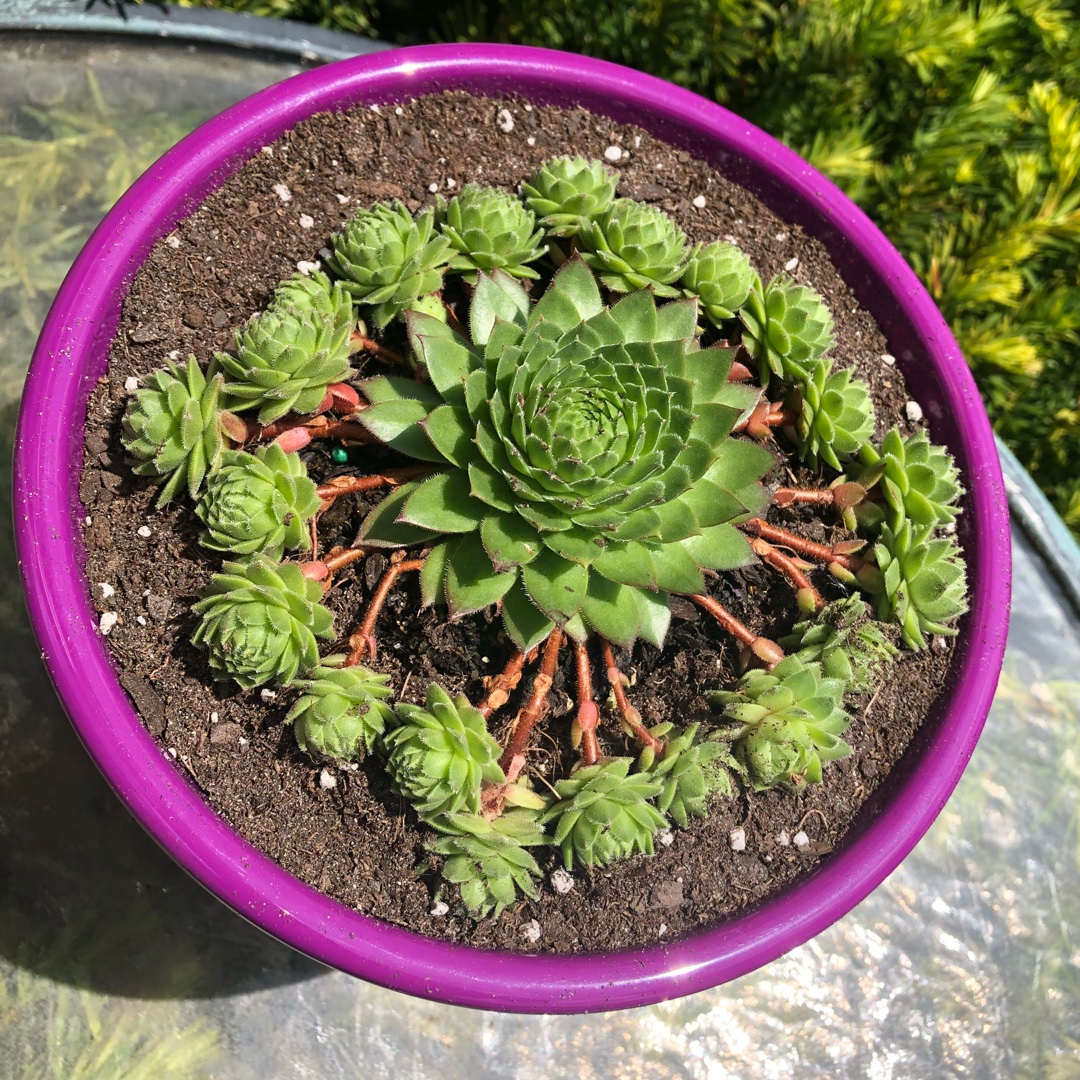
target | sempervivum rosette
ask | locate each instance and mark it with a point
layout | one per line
(566, 192)
(172, 427)
(635, 246)
(258, 503)
(260, 620)
(287, 355)
(389, 260)
(588, 466)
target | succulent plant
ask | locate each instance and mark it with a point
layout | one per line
(565, 192)
(389, 260)
(259, 620)
(786, 327)
(923, 582)
(918, 479)
(690, 769)
(836, 417)
(721, 277)
(440, 755)
(172, 428)
(604, 813)
(341, 711)
(287, 355)
(844, 638)
(791, 720)
(258, 503)
(489, 228)
(588, 468)
(490, 859)
(635, 246)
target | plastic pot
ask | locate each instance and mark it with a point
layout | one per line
(72, 353)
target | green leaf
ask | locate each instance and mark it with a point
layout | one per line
(708, 370)
(654, 611)
(556, 585)
(636, 317)
(719, 547)
(490, 488)
(385, 388)
(443, 503)
(381, 527)
(509, 540)
(612, 610)
(571, 298)
(628, 564)
(451, 433)
(676, 570)
(739, 463)
(472, 583)
(677, 521)
(433, 573)
(677, 322)
(397, 423)
(524, 622)
(447, 361)
(497, 296)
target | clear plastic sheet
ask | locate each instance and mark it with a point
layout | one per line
(113, 963)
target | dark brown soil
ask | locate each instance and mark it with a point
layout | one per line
(340, 828)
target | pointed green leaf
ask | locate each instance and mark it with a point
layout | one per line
(471, 581)
(381, 527)
(677, 521)
(577, 545)
(629, 564)
(571, 298)
(677, 321)
(676, 570)
(397, 424)
(509, 540)
(524, 622)
(497, 296)
(719, 547)
(654, 611)
(489, 487)
(635, 316)
(451, 433)
(556, 585)
(612, 610)
(385, 388)
(433, 573)
(443, 503)
(739, 463)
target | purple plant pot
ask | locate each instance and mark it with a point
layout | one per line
(72, 353)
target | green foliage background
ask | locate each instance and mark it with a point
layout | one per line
(954, 123)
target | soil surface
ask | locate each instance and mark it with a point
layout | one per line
(340, 828)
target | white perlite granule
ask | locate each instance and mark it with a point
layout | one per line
(505, 121)
(144, 531)
(737, 839)
(913, 411)
(801, 840)
(327, 780)
(561, 881)
(307, 268)
(440, 909)
(306, 221)
(106, 590)
(282, 192)
(792, 264)
(531, 931)
(107, 621)
(613, 153)
(131, 384)
(888, 359)
(699, 202)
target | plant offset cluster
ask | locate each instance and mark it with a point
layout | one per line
(579, 454)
